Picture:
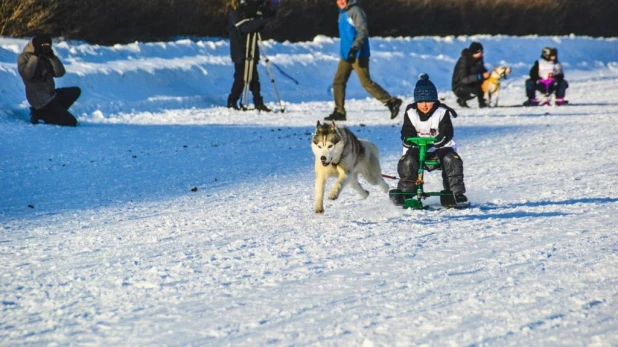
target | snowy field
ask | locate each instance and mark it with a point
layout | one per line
(103, 242)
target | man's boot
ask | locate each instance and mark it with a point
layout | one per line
(336, 115)
(231, 103)
(34, 116)
(262, 107)
(259, 104)
(393, 105)
(462, 103)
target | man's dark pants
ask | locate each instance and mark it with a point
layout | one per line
(56, 111)
(239, 85)
(470, 91)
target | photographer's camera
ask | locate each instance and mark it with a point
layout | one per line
(259, 8)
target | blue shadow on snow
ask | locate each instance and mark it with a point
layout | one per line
(97, 165)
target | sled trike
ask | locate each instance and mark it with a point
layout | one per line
(414, 199)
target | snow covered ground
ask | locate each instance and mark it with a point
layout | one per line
(103, 241)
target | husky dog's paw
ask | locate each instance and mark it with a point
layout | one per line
(319, 209)
(384, 187)
(363, 194)
(333, 195)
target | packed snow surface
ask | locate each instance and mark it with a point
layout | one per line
(166, 219)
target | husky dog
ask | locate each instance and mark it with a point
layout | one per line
(491, 86)
(338, 153)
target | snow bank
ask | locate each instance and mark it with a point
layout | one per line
(184, 74)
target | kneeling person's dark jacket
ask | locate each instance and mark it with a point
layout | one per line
(468, 71)
(38, 74)
(38, 66)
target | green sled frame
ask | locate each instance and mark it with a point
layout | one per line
(414, 201)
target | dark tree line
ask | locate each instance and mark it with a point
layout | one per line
(122, 21)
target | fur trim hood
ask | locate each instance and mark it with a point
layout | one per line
(29, 47)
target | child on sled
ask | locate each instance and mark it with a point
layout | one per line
(427, 117)
(546, 76)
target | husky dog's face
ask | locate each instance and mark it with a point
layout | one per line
(327, 143)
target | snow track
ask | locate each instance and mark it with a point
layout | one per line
(117, 250)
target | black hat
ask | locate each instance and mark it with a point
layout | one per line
(425, 90)
(546, 53)
(475, 47)
(38, 40)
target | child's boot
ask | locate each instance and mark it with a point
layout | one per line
(396, 196)
(561, 101)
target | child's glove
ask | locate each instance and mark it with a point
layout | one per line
(408, 144)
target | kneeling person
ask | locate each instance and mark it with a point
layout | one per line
(469, 74)
(427, 117)
(38, 65)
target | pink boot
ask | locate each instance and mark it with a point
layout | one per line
(561, 101)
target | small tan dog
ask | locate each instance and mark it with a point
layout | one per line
(491, 86)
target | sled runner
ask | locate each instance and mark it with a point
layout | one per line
(414, 200)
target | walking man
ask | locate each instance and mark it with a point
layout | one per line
(354, 56)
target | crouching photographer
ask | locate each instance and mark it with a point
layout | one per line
(246, 21)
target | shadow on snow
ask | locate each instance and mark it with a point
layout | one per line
(96, 165)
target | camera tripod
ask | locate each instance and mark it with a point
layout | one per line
(254, 39)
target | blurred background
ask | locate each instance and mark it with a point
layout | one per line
(120, 21)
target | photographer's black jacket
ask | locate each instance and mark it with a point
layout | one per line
(239, 28)
(467, 70)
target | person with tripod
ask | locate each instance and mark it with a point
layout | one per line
(246, 21)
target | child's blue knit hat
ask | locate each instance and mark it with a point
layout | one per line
(425, 90)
